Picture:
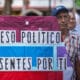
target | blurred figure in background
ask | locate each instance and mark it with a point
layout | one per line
(26, 11)
(74, 28)
(72, 23)
(72, 47)
(32, 12)
(7, 10)
(26, 4)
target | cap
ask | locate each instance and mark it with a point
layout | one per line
(57, 9)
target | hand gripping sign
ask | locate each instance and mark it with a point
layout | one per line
(27, 48)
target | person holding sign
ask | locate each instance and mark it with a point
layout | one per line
(62, 15)
(63, 19)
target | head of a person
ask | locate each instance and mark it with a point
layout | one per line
(33, 12)
(62, 15)
(72, 21)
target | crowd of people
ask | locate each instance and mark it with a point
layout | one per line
(68, 26)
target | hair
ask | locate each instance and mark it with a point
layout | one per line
(31, 14)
